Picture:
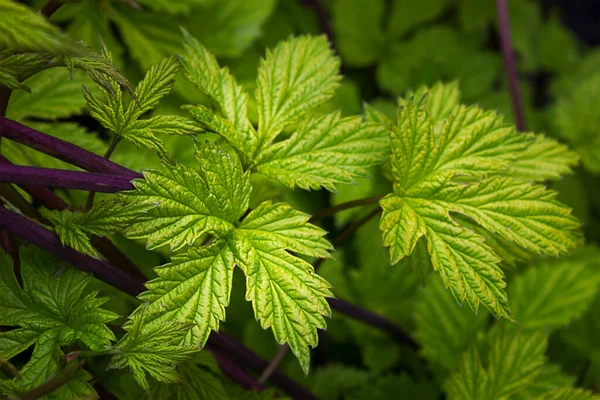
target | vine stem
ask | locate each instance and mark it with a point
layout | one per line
(50, 8)
(54, 382)
(509, 64)
(66, 179)
(113, 145)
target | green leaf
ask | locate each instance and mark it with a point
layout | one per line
(576, 120)
(335, 381)
(443, 330)
(553, 294)
(549, 378)
(195, 288)
(456, 168)
(286, 294)
(53, 95)
(544, 159)
(191, 203)
(359, 47)
(103, 219)
(24, 30)
(200, 380)
(52, 311)
(153, 349)
(568, 394)
(201, 68)
(325, 151)
(124, 122)
(512, 362)
(405, 15)
(295, 77)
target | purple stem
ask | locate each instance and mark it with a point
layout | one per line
(227, 346)
(375, 320)
(98, 182)
(236, 374)
(509, 64)
(61, 149)
(25, 229)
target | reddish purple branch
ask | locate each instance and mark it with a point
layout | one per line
(510, 65)
(23, 228)
(97, 182)
(61, 149)
(236, 374)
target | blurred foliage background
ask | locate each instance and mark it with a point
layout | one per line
(388, 47)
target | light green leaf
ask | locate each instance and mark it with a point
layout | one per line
(544, 159)
(286, 294)
(512, 362)
(456, 168)
(202, 69)
(194, 288)
(191, 203)
(124, 122)
(23, 29)
(295, 77)
(443, 330)
(553, 294)
(325, 151)
(103, 219)
(568, 394)
(548, 379)
(153, 349)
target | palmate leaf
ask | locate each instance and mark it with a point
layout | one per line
(455, 167)
(295, 78)
(195, 286)
(192, 203)
(124, 122)
(51, 311)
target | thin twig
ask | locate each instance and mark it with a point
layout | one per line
(61, 149)
(236, 374)
(113, 145)
(274, 363)
(50, 8)
(510, 65)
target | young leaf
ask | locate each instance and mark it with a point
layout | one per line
(104, 219)
(153, 348)
(192, 203)
(544, 159)
(553, 294)
(298, 75)
(476, 147)
(124, 122)
(512, 362)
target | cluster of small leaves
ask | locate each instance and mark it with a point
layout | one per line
(448, 159)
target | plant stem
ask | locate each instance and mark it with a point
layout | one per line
(98, 182)
(61, 149)
(326, 212)
(55, 382)
(113, 145)
(237, 374)
(274, 363)
(21, 227)
(50, 8)
(322, 17)
(509, 64)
